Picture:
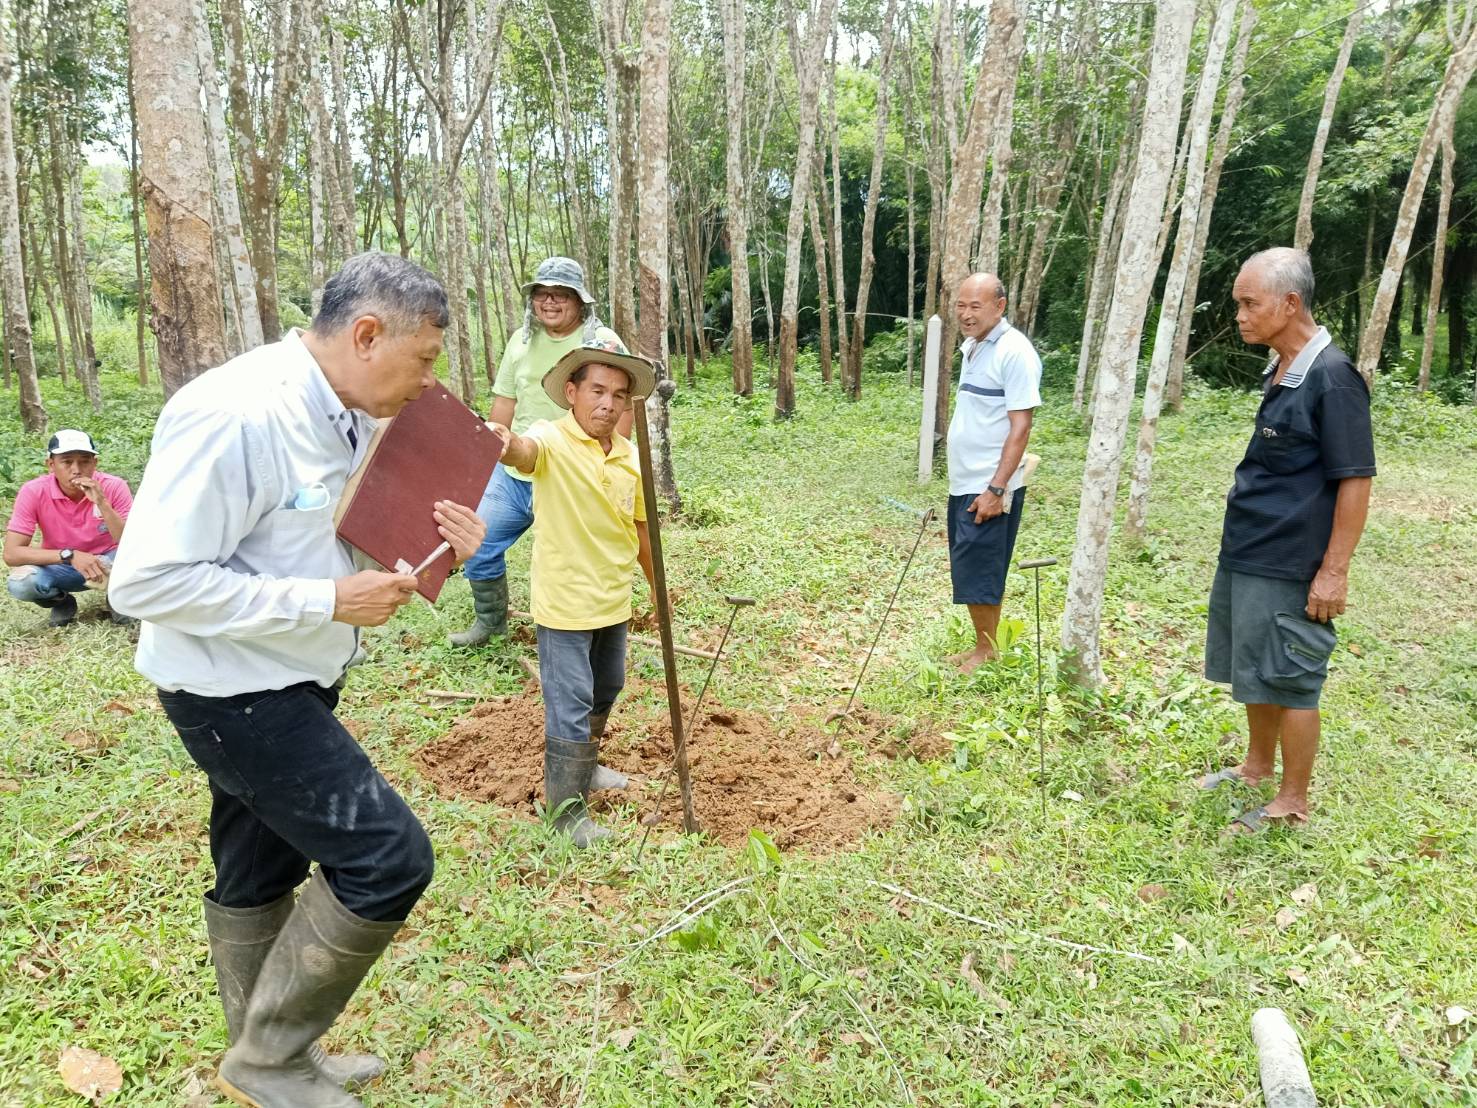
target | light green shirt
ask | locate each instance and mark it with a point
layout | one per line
(520, 376)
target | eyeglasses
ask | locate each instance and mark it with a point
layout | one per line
(558, 295)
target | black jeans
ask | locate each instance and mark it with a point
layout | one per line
(288, 786)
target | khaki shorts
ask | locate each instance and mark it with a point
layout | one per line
(1260, 641)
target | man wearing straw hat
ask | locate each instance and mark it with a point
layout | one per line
(589, 534)
(558, 316)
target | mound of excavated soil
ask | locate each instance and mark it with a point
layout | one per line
(797, 783)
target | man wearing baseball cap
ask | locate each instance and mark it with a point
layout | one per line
(80, 511)
(589, 534)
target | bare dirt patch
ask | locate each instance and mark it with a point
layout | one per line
(798, 783)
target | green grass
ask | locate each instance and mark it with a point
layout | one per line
(100, 936)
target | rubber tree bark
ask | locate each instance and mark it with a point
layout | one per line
(12, 274)
(1132, 287)
(1303, 236)
(807, 54)
(1458, 75)
(735, 56)
(1179, 267)
(186, 304)
(1438, 261)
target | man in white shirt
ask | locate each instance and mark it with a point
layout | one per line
(251, 608)
(999, 388)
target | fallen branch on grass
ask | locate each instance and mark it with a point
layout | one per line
(1000, 928)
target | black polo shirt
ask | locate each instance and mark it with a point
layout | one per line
(1312, 431)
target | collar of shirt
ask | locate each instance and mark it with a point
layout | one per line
(350, 424)
(1300, 365)
(993, 337)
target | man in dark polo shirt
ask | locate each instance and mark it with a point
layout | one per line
(1293, 518)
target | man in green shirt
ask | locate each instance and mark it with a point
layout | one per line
(558, 316)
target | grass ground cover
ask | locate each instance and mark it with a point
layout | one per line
(933, 963)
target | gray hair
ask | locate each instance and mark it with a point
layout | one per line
(1284, 270)
(396, 291)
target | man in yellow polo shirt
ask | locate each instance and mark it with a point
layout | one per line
(589, 534)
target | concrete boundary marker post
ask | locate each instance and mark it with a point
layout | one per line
(930, 398)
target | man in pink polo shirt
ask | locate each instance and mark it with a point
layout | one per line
(80, 511)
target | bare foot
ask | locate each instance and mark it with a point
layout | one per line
(973, 659)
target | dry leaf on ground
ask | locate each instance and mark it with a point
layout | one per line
(89, 1074)
(1152, 892)
(1304, 894)
(622, 1038)
(1286, 917)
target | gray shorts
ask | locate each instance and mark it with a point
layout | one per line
(1261, 642)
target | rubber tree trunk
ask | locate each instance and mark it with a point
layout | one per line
(1235, 94)
(652, 237)
(1438, 261)
(1459, 70)
(1303, 236)
(12, 274)
(186, 312)
(807, 54)
(735, 55)
(1179, 267)
(961, 219)
(852, 371)
(1132, 287)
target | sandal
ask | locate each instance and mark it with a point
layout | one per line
(1220, 777)
(1256, 820)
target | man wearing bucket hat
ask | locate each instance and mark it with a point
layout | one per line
(589, 534)
(80, 511)
(558, 316)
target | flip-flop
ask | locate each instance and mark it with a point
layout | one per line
(1256, 820)
(1220, 777)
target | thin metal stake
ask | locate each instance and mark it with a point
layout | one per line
(737, 602)
(1037, 564)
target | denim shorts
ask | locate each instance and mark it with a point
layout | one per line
(1260, 641)
(979, 553)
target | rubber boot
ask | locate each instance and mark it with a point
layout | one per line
(490, 613)
(567, 769)
(604, 777)
(239, 941)
(318, 960)
(63, 610)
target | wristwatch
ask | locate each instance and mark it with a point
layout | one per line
(66, 555)
(995, 490)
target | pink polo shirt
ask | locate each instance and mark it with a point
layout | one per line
(65, 522)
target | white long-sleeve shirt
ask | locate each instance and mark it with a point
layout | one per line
(234, 584)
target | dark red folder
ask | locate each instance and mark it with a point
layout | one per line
(435, 449)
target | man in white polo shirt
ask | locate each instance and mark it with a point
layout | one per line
(999, 388)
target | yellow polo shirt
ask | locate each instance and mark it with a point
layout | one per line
(586, 507)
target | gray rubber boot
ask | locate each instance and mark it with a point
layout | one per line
(490, 613)
(567, 769)
(604, 777)
(239, 941)
(318, 960)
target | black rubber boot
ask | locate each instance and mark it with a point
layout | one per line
(239, 941)
(604, 777)
(318, 960)
(490, 613)
(63, 610)
(567, 769)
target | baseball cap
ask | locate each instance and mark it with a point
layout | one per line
(68, 441)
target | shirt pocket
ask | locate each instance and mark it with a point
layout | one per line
(292, 531)
(1283, 449)
(620, 489)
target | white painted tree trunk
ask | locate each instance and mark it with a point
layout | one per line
(1235, 94)
(1438, 260)
(1105, 259)
(12, 276)
(652, 237)
(1459, 70)
(1303, 236)
(987, 257)
(186, 304)
(807, 55)
(735, 55)
(1179, 267)
(1132, 287)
